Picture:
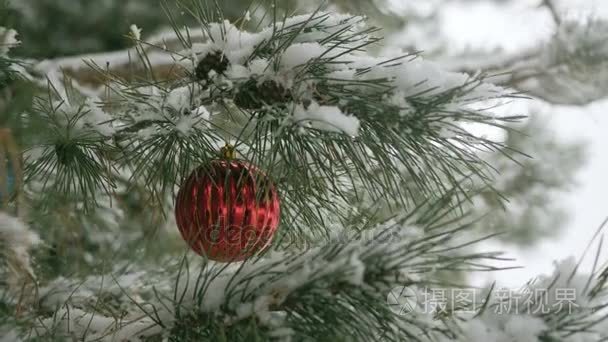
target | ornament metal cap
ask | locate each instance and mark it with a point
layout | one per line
(228, 152)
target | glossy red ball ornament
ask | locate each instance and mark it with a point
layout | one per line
(228, 210)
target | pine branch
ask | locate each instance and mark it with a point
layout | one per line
(316, 293)
(291, 120)
(568, 70)
(349, 138)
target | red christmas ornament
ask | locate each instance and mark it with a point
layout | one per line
(227, 210)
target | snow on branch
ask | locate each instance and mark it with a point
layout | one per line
(326, 118)
(16, 241)
(8, 40)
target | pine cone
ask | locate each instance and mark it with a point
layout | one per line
(252, 95)
(214, 61)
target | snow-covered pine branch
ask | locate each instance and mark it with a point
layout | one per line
(337, 290)
(304, 99)
(288, 294)
(569, 69)
(16, 241)
(350, 137)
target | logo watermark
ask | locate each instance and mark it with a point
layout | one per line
(402, 300)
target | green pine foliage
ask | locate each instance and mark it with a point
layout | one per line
(377, 174)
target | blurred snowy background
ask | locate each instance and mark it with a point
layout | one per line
(515, 26)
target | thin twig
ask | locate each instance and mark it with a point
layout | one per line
(553, 10)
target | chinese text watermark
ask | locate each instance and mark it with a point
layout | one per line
(532, 301)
